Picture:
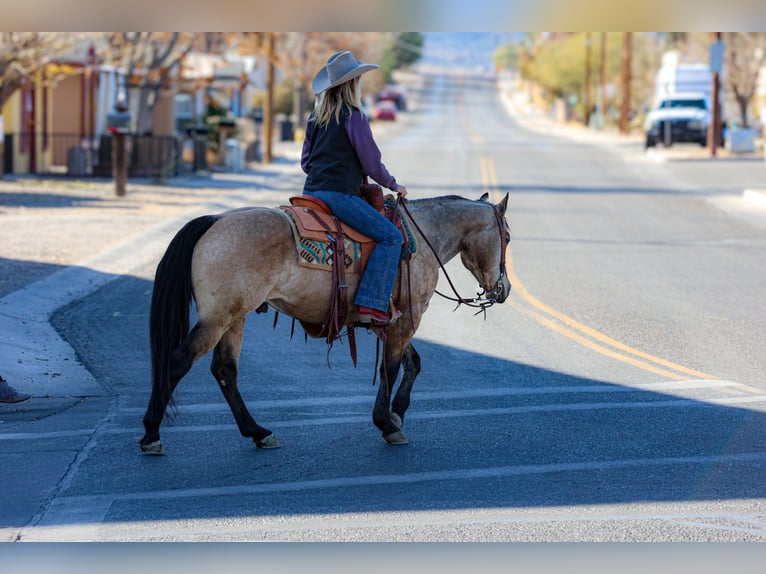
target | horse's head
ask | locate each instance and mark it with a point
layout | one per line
(483, 251)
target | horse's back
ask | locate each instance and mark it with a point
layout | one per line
(241, 257)
(246, 228)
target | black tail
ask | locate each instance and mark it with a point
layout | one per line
(171, 301)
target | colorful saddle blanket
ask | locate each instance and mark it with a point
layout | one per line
(310, 221)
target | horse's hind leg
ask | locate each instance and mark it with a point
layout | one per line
(411, 368)
(224, 369)
(198, 342)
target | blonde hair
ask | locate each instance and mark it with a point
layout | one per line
(329, 103)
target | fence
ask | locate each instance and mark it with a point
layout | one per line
(89, 156)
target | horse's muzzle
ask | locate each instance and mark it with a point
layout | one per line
(501, 290)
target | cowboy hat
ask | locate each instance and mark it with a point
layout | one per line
(340, 67)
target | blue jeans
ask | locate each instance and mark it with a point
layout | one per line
(379, 276)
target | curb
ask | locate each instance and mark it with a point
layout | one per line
(539, 122)
(755, 196)
(35, 358)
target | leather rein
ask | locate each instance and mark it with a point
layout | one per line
(485, 299)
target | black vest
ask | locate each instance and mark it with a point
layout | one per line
(333, 164)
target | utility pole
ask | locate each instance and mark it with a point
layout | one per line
(586, 88)
(268, 104)
(627, 55)
(716, 64)
(299, 99)
(2, 145)
(602, 99)
(120, 162)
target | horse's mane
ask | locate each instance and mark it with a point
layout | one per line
(439, 198)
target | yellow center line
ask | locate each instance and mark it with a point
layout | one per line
(484, 175)
(489, 178)
(589, 344)
(472, 135)
(547, 315)
(570, 322)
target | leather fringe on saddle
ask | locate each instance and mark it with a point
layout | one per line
(336, 318)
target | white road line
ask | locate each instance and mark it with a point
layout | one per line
(90, 510)
(662, 387)
(450, 413)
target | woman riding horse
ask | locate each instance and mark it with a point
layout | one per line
(244, 260)
(339, 151)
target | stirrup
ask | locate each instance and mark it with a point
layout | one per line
(377, 318)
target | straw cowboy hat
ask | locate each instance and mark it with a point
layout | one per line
(341, 67)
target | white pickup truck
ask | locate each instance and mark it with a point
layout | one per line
(678, 117)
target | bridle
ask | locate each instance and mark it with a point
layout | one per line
(484, 299)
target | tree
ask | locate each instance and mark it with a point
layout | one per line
(22, 54)
(557, 63)
(507, 56)
(404, 50)
(745, 56)
(299, 55)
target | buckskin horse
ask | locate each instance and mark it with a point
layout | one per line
(243, 260)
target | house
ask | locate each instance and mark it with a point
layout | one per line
(54, 111)
(59, 122)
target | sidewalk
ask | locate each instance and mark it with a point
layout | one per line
(61, 240)
(532, 118)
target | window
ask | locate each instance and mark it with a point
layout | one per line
(697, 104)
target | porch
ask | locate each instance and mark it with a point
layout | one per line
(74, 155)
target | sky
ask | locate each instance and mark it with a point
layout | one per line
(385, 15)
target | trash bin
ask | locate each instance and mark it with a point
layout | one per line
(233, 155)
(285, 127)
(76, 162)
(287, 130)
(199, 135)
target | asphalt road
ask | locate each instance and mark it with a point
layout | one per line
(617, 396)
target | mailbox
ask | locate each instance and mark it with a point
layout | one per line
(118, 122)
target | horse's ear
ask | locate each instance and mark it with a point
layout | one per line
(503, 205)
(484, 198)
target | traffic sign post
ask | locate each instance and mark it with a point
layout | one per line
(716, 66)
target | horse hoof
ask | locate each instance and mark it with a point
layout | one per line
(267, 442)
(153, 448)
(397, 437)
(396, 419)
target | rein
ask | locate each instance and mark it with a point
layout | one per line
(480, 302)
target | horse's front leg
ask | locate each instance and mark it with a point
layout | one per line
(225, 371)
(389, 423)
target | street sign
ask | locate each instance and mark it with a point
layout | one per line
(716, 57)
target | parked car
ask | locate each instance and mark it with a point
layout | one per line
(679, 117)
(385, 110)
(395, 94)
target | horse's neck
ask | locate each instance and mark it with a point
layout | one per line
(444, 222)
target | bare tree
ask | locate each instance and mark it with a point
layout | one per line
(150, 61)
(301, 54)
(22, 54)
(745, 56)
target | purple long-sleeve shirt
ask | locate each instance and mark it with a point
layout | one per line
(361, 138)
